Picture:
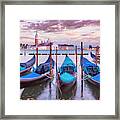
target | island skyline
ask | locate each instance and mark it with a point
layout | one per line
(61, 31)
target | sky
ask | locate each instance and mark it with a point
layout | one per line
(61, 31)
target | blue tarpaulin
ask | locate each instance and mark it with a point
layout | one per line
(31, 75)
(67, 78)
(22, 68)
(68, 62)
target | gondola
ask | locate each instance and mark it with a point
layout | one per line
(95, 58)
(91, 71)
(67, 79)
(39, 75)
(27, 66)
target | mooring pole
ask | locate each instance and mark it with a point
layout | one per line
(97, 54)
(56, 62)
(56, 76)
(36, 44)
(50, 59)
(36, 57)
(50, 68)
(81, 69)
(76, 56)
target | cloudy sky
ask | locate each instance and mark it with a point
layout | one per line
(61, 31)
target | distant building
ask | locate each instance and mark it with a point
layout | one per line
(65, 47)
(41, 46)
(54, 47)
(24, 46)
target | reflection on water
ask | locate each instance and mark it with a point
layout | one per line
(95, 90)
(45, 92)
(67, 92)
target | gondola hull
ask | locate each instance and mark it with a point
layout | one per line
(27, 70)
(66, 85)
(67, 91)
(24, 82)
(93, 81)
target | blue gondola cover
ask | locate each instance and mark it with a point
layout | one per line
(67, 78)
(45, 67)
(28, 63)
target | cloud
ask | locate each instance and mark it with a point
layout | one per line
(72, 31)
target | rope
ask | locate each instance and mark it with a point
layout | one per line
(87, 77)
(49, 76)
(56, 86)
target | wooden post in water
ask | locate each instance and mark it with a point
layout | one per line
(51, 59)
(50, 68)
(56, 62)
(97, 54)
(81, 69)
(36, 44)
(56, 76)
(76, 55)
(36, 57)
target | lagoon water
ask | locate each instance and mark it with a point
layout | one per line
(42, 92)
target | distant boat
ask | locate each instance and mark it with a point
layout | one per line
(92, 55)
(39, 75)
(67, 78)
(27, 66)
(91, 71)
(95, 58)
